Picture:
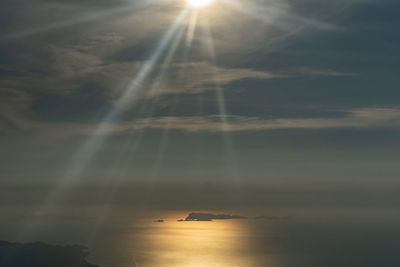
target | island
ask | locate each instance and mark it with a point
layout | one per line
(209, 217)
(42, 255)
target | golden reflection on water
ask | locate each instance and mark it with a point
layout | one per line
(196, 244)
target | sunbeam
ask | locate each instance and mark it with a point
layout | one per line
(229, 144)
(199, 3)
(129, 94)
(91, 17)
(191, 29)
(97, 140)
(156, 84)
(115, 177)
(279, 15)
(220, 94)
(127, 97)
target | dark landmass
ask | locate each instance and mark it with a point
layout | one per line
(210, 217)
(42, 255)
(159, 221)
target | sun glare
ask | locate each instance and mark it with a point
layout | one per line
(199, 3)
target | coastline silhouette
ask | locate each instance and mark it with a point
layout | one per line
(39, 254)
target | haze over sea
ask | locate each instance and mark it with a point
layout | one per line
(310, 240)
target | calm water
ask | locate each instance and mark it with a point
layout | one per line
(291, 242)
(178, 244)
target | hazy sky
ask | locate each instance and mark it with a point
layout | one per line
(284, 101)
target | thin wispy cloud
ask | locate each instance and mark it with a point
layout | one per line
(364, 118)
(359, 118)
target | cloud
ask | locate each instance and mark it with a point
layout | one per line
(320, 72)
(88, 103)
(365, 118)
(53, 65)
(197, 77)
(46, 76)
(13, 104)
(358, 118)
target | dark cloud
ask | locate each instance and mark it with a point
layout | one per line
(327, 67)
(87, 103)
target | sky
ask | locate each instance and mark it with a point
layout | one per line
(149, 103)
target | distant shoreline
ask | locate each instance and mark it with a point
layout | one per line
(40, 254)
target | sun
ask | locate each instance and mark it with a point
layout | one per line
(199, 3)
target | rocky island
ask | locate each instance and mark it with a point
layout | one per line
(210, 217)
